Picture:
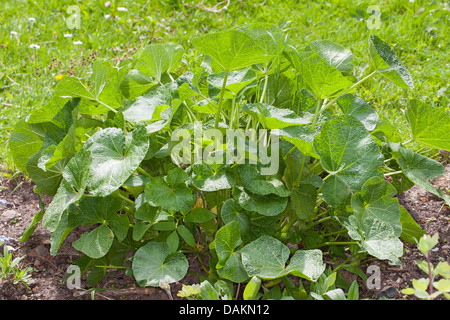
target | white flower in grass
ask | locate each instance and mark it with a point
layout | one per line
(67, 35)
(77, 42)
(107, 16)
(32, 19)
(34, 46)
(122, 9)
(13, 33)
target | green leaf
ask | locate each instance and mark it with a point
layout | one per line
(360, 109)
(154, 263)
(411, 230)
(115, 156)
(233, 269)
(303, 200)
(236, 80)
(323, 79)
(232, 211)
(25, 140)
(158, 58)
(353, 291)
(71, 189)
(173, 241)
(256, 183)
(388, 64)
(376, 201)
(210, 177)
(252, 288)
(426, 243)
(199, 215)
(96, 243)
(334, 54)
(237, 48)
(376, 237)
(227, 239)
(267, 206)
(150, 105)
(429, 125)
(349, 154)
(275, 118)
(177, 197)
(300, 136)
(48, 181)
(266, 258)
(420, 169)
(186, 235)
(136, 84)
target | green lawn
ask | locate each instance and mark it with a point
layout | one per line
(36, 44)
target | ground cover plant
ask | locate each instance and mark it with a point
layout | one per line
(108, 150)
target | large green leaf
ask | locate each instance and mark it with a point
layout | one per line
(303, 200)
(266, 258)
(135, 84)
(360, 109)
(153, 263)
(234, 49)
(236, 80)
(300, 136)
(115, 156)
(420, 170)
(349, 154)
(275, 118)
(335, 55)
(170, 194)
(256, 183)
(375, 200)
(323, 79)
(232, 211)
(71, 189)
(227, 239)
(388, 64)
(376, 238)
(429, 125)
(158, 58)
(96, 243)
(267, 206)
(211, 177)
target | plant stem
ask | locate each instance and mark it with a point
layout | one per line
(126, 199)
(219, 107)
(348, 90)
(316, 114)
(266, 80)
(430, 276)
(332, 243)
(392, 173)
(145, 173)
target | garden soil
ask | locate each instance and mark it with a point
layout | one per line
(49, 272)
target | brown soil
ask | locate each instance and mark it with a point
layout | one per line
(49, 272)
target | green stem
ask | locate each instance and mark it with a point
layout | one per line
(126, 199)
(219, 107)
(343, 263)
(332, 243)
(301, 170)
(145, 173)
(316, 113)
(331, 102)
(334, 233)
(392, 173)
(266, 80)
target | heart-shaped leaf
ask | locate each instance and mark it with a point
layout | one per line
(153, 263)
(115, 156)
(227, 239)
(256, 183)
(335, 55)
(376, 201)
(96, 243)
(360, 109)
(158, 58)
(349, 154)
(210, 177)
(236, 80)
(266, 258)
(388, 64)
(267, 206)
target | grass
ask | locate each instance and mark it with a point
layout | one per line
(418, 32)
